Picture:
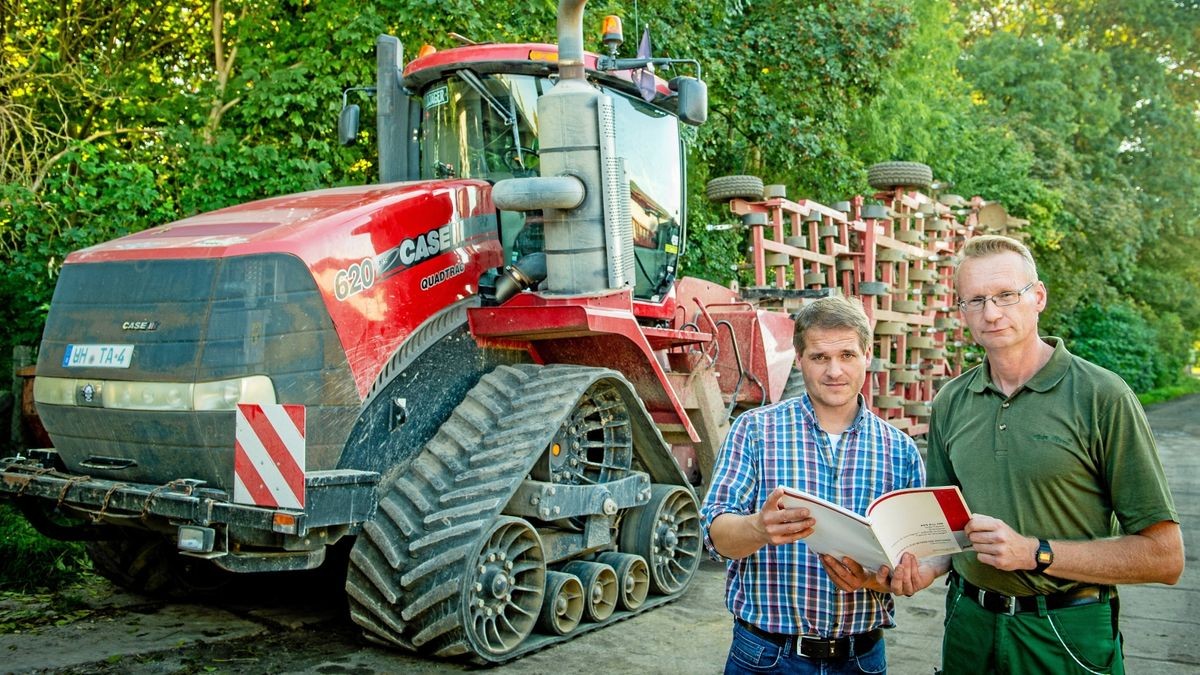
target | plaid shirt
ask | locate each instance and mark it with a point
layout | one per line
(784, 589)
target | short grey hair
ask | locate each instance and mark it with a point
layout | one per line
(991, 244)
(830, 313)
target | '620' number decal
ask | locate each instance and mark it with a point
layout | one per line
(354, 279)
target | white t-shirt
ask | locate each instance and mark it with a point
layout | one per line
(833, 441)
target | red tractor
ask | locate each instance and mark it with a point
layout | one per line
(483, 371)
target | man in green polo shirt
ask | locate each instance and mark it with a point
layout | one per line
(1057, 462)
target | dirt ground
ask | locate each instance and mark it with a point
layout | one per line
(298, 624)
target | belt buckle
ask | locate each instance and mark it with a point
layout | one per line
(825, 649)
(1009, 602)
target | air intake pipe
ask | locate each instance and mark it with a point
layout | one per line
(525, 273)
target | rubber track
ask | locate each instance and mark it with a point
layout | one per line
(406, 571)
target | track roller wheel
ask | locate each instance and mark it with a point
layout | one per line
(563, 605)
(505, 584)
(633, 577)
(666, 532)
(599, 587)
(151, 565)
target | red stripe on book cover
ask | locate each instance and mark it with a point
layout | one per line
(952, 506)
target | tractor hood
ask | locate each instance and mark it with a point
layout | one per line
(311, 225)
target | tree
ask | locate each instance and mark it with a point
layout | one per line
(1105, 96)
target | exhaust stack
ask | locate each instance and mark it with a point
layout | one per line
(588, 246)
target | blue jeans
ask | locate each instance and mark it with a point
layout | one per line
(750, 653)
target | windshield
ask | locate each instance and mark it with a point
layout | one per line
(480, 126)
(648, 139)
(485, 126)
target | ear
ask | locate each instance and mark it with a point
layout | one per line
(1043, 296)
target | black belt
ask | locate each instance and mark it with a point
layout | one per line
(1012, 604)
(820, 648)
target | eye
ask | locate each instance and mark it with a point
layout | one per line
(1007, 296)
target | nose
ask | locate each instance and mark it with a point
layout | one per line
(991, 311)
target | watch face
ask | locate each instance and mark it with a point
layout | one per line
(1044, 557)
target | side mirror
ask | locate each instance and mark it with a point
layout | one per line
(693, 100)
(348, 124)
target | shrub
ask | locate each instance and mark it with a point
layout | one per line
(1147, 351)
(30, 561)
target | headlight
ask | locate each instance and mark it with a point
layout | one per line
(226, 394)
(146, 395)
(54, 390)
(179, 396)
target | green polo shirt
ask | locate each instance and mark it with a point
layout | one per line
(1068, 456)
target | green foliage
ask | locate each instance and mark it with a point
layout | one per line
(1145, 352)
(786, 80)
(29, 561)
(1077, 115)
(1190, 385)
(1103, 95)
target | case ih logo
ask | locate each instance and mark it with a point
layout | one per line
(421, 247)
(139, 325)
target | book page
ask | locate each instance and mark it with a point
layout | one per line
(839, 532)
(926, 522)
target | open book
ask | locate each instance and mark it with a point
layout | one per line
(926, 522)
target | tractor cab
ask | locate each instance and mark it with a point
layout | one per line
(472, 112)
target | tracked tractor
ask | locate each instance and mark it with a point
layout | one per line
(482, 371)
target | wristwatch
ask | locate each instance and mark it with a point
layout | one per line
(1044, 557)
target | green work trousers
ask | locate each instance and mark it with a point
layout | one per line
(1080, 639)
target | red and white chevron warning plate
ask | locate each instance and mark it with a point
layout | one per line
(268, 464)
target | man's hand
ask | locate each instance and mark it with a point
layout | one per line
(909, 576)
(781, 525)
(849, 576)
(738, 536)
(999, 545)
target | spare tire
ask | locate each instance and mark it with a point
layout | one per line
(726, 188)
(889, 175)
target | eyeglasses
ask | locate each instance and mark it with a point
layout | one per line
(1003, 299)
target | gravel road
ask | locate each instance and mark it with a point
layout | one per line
(298, 624)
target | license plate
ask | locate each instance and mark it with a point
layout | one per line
(98, 356)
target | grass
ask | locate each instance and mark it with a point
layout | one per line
(1190, 385)
(43, 582)
(32, 562)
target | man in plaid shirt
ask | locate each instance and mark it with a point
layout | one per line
(795, 611)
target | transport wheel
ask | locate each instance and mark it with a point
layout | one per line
(599, 587)
(888, 175)
(633, 577)
(666, 532)
(725, 188)
(562, 607)
(505, 584)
